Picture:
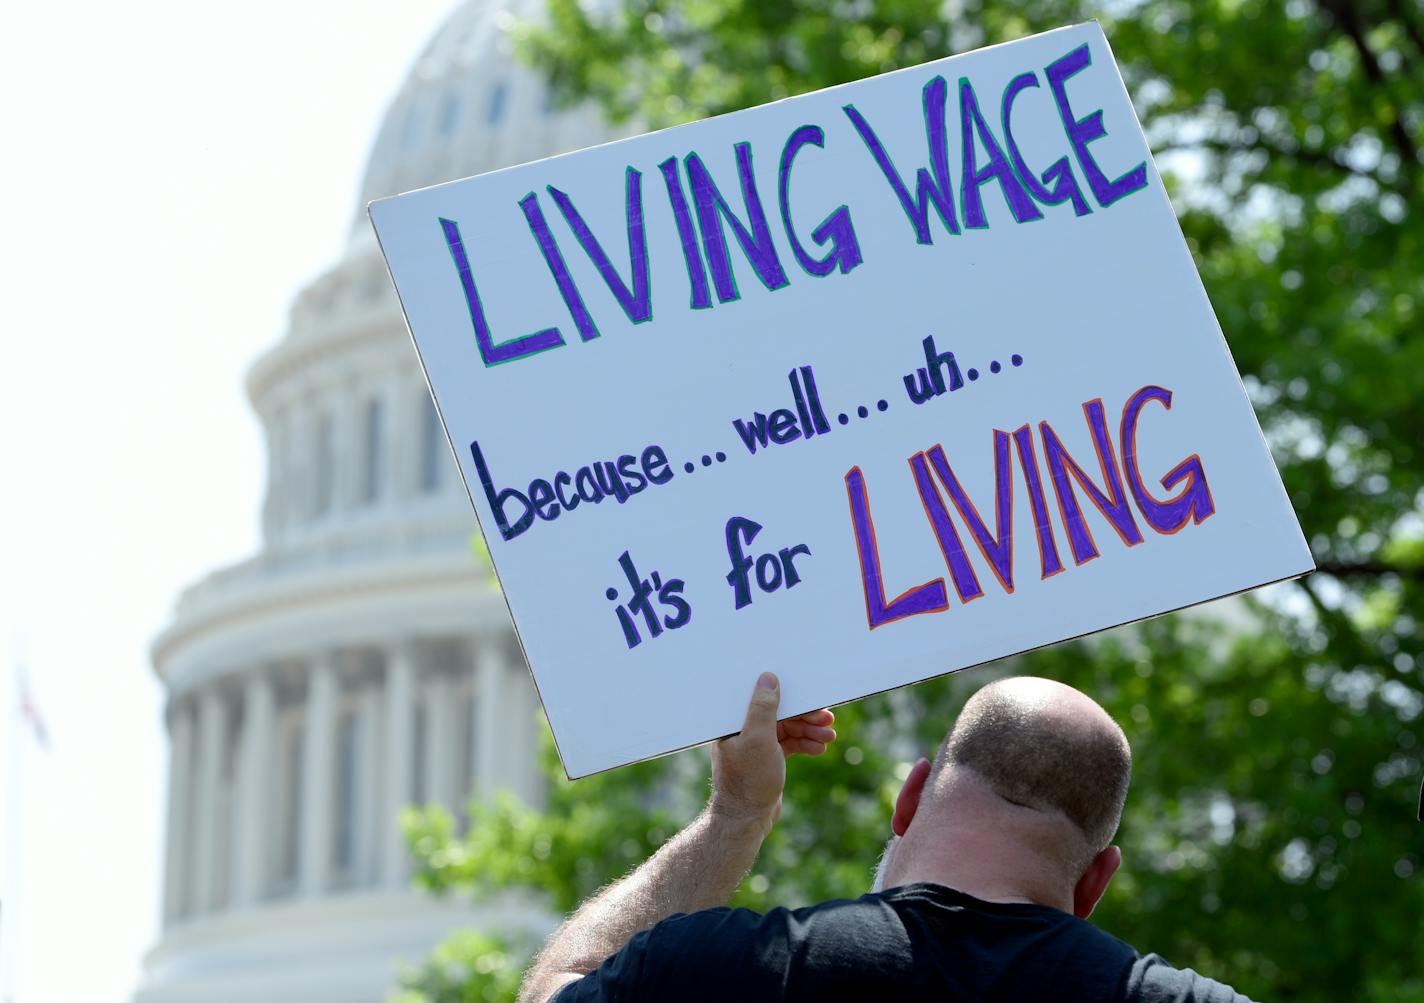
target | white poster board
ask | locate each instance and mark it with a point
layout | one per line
(812, 387)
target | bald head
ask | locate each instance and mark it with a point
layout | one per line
(1045, 746)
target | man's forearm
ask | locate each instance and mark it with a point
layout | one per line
(702, 865)
(698, 868)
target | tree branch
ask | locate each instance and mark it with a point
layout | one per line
(1328, 617)
(1410, 28)
(1348, 19)
(1357, 569)
(1320, 159)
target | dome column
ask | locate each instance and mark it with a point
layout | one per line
(440, 750)
(276, 508)
(318, 768)
(301, 480)
(399, 728)
(255, 792)
(346, 413)
(212, 741)
(177, 872)
(368, 785)
(491, 694)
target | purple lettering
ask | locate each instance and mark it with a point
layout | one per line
(637, 303)
(1113, 505)
(997, 169)
(966, 582)
(490, 353)
(1047, 544)
(687, 235)
(1194, 502)
(554, 258)
(1083, 131)
(998, 548)
(712, 209)
(1060, 172)
(835, 228)
(932, 187)
(929, 597)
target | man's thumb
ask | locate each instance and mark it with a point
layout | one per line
(761, 712)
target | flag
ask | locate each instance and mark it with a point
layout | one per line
(30, 712)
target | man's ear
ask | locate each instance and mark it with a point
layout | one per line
(909, 800)
(1094, 882)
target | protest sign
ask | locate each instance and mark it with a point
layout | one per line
(863, 386)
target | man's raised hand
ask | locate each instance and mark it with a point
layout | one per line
(807, 735)
(749, 768)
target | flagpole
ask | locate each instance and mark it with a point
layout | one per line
(10, 946)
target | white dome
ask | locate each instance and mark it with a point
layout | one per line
(360, 660)
(469, 106)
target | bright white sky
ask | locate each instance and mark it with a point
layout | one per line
(173, 172)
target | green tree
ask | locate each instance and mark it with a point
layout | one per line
(467, 967)
(1270, 836)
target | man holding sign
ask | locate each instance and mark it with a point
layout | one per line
(982, 406)
(1002, 849)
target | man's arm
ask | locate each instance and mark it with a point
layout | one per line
(702, 865)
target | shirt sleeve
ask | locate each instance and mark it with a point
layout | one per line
(679, 957)
(616, 979)
(1153, 980)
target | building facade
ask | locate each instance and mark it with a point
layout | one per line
(362, 660)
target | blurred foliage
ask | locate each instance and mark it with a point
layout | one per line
(1270, 837)
(479, 549)
(467, 967)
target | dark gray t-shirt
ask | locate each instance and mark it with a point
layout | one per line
(916, 942)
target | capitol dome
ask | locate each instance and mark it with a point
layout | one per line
(362, 660)
(468, 107)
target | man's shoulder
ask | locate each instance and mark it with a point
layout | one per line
(916, 940)
(863, 924)
(896, 928)
(851, 944)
